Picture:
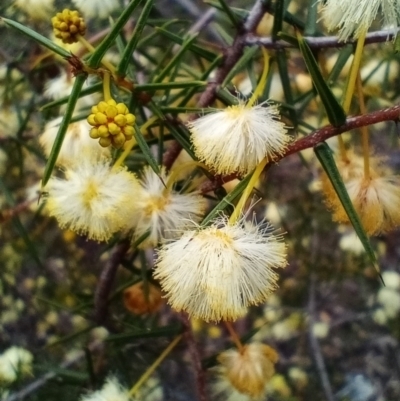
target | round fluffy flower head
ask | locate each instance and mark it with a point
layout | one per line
(376, 200)
(96, 8)
(354, 17)
(216, 272)
(76, 144)
(36, 9)
(164, 213)
(239, 137)
(112, 390)
(15, 362)
(68, 25)
(93, 199)
(250, 369)
(112, 123)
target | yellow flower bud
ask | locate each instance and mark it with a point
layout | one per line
(68, 25)
(118, 140)
(111, 121)
(100, 118)
(105, 142)
(113, 129)
(120, 120)
(130, 119)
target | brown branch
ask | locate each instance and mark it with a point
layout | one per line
(106, 282)
(316, 137)
(195, 357)
(319, 42)
(8, 214)
(322, 134)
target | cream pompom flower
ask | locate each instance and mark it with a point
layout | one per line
(375, 195)
(239, 137)
(246, 371)
(96, 8)
(76, 145)
(15, 362)
(352, 18)
(161, 211)
(93, 199)
(376, 200)
(36, 9)
(112, 390)
(216, 272)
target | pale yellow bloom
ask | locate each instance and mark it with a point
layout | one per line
(93, 199)
(247, 371)
(216, 272)
(164, 213)
(76, 145)
(354, 17)
(15, 362)
(112, 390)
(239, 137)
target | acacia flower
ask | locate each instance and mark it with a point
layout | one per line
(112, 390)
(97, 8)
(239, 137)
(375, 197)
(112, 123)
(352, 18)
(163, 212)
(15, 362)
(93, 199)
(247, 371)
(216, 272)
(68, 25)
(36, 9)
(76, 144)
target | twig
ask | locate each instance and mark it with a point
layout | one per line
(322, 134)
(106, 282)
(320, 41)
(8, 214)
(316, 350)
(195, 356)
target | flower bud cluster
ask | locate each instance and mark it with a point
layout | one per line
(112, 123)
(67, 25)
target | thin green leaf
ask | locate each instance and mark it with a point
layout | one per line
(144, 147)
(95, 59)
(177, 132)
(311, 22)
(55, 150)
(248, 54)
(165, 331)
(341, 61)
(282, 62)
(187, 43)
(227, 201)
(37, 37)
(208, 55)
(325, 157)
(133, 41)
(333, 109)
(278, 18)
(170, 85)
(230, 14)
(87, 91)
(204, 76)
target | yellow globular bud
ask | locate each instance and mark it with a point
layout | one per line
(105, 142)
(112, 123)
(68, 25)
